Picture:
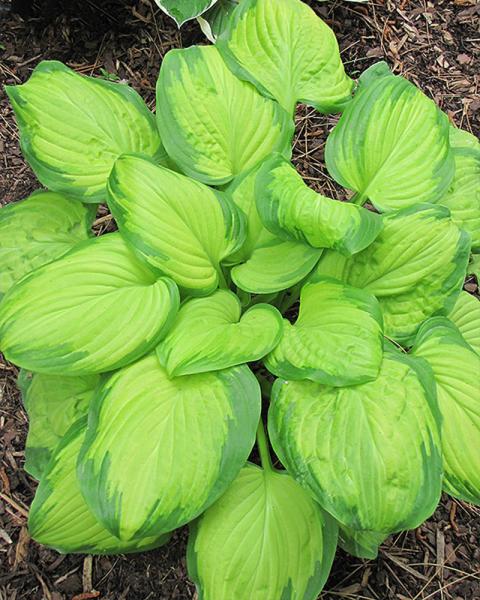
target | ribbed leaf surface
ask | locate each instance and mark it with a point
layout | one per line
(179, 226)
(53, 403)
(288, 52)
(293, 211)
(267, 263)
(93, 310)
(415, 267)
(72, 128)
(337, 339)
(457, 374)
(369, 453)
(213, 125)
(38, 230)
(466, 316)
(158, 451)
(391, 144)
(264, 538)
(59, 516)
(463, 197)
(211, 334)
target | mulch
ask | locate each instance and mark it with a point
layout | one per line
(437, 46)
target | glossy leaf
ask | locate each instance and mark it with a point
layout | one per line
(184, 10)
(59, 516)
(53, 403)
(211, 334)
(337, 338)
(293, 211)
(38, 230)
(159, 451)
(265, 537)
(179, 226)
(93, 310)
(213, 125)
(267, 263)
(369, 453)
(415, 268)
(72, 128)
(391, 144)
(456, 368)
(466, 316)
(288, 52)
(463, 197)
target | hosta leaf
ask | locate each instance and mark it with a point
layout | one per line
(275, 265)
(215, 20)
(391, 144)
(184, 10)
(38, 230)
(456, 368)
(211, 334)
(179, 226)
(291, 210)
(53, 403)
(363, 544)
(213, 125)
(463, 197)
(369, 453)
(264, 538)
(95, 309)
(59, 516)
(267, 263)
(158, 451)
(288, 52)
(463, 139)
(72, 128)
(466, 316)
(415, 267)
(337, 338)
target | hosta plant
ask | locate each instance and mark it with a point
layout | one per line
(145, 352)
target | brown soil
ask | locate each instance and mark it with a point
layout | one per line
(436, 45)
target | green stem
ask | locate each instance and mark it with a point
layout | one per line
(263, 448)
(222, 280)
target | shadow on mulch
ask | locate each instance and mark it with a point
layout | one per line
(437, 46)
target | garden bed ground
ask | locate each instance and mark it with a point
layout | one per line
(436, 45)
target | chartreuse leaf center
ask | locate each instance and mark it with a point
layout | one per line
(391, 144)
(213, 125)
(337, 339)
(211, 334)
(456, 368)
(74, 127)
(265, 537)
(179, 226)
(158, 451)
(96, 309)
(293, 211)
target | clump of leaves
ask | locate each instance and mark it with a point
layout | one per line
(140, 349)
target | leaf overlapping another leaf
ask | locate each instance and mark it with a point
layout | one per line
(159, 451)
(74, 127)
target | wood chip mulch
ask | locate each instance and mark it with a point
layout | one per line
(437, 46)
